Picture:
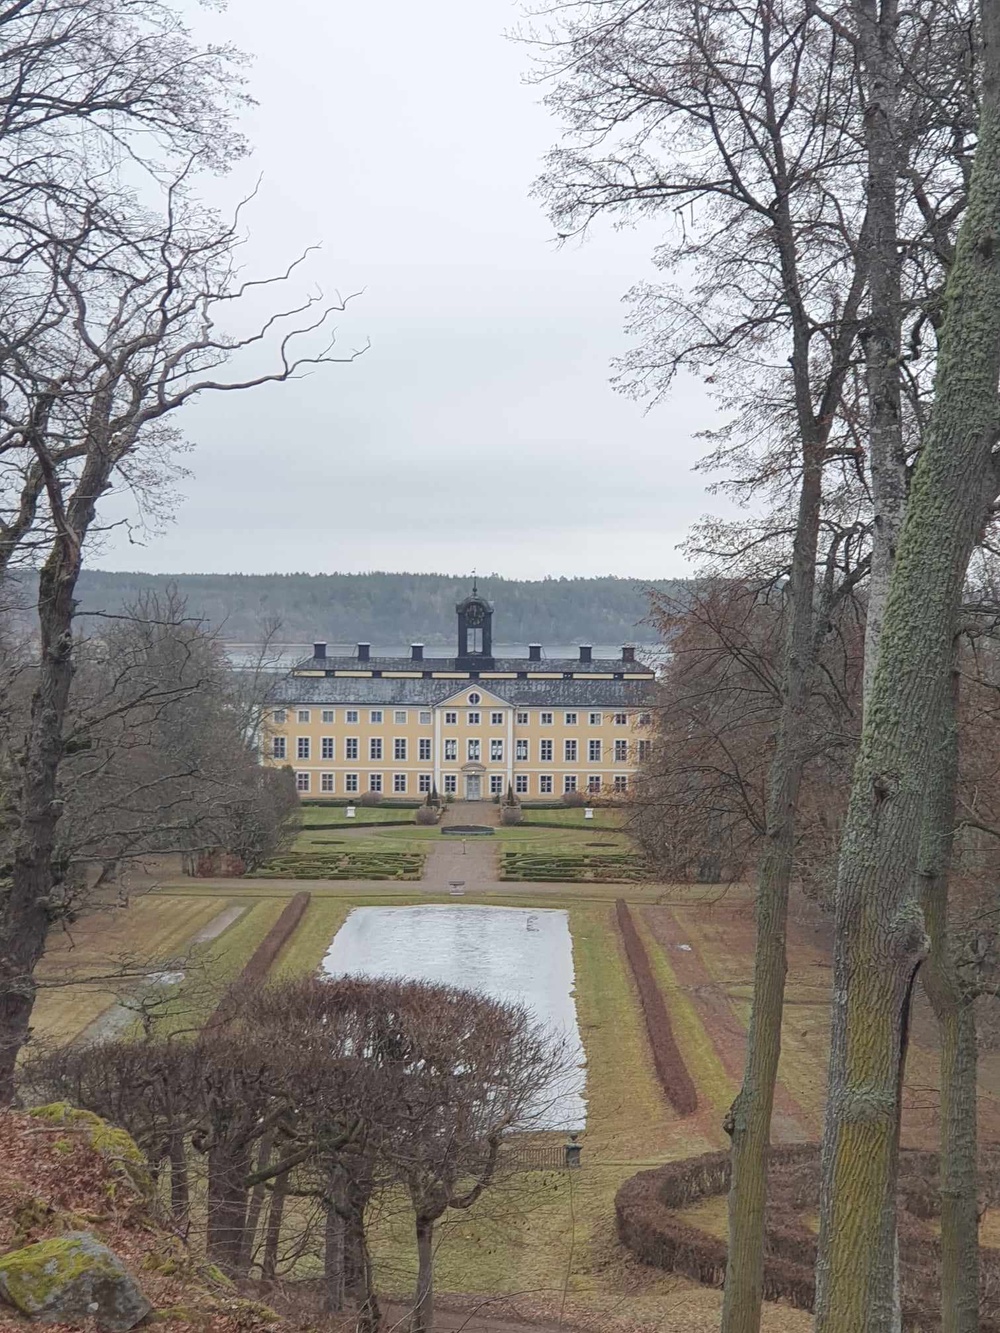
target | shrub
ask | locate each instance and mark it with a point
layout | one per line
(428, 814)
(574, 798)
(510, 814)
(371, 798)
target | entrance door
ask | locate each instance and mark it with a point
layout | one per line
(473, 786)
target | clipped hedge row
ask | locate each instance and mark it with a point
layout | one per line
(579, 868)
(671, 1070)
(343, 865)
(262, 959)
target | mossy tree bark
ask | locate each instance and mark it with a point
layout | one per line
(953, 1003)
(880, 939)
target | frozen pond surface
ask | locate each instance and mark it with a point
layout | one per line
(512, 953)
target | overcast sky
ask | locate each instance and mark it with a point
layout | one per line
(480, 429)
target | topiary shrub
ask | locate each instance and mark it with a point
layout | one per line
(574, 798)
(371, 798)
(510, 814)
(428, 814)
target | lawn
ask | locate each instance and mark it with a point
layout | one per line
(335, 816)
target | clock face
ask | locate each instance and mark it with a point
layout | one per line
(475, 616)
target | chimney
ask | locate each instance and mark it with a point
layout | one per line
(586, 652)
(417, 652)
(319, 650)
(628, 653)
(534, 652)
(364, 652)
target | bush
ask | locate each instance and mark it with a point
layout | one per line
(371, 798)
(510, 814)
(428, 814)
(573, 798)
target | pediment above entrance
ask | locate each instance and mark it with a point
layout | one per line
(461, 699)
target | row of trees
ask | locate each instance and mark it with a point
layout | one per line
(120, 295)
(314, 1107)
(832, 182)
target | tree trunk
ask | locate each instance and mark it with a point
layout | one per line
(423, 1305)
(361, 1277)
(227, 1208)
(880, 938)
(275, 1214)
(180, 1201)
(256, 1204)
(749, 1119)
(955, 1012)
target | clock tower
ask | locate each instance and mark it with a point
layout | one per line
(475, 630)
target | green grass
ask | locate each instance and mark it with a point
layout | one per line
(343, 838)
(348, 862)
(334, 816)
(572, 817)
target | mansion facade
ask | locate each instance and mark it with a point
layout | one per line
(469, 726)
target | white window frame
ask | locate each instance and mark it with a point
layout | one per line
(451, 719)
(545, 784)
(426, 718)
(280, 716)
(279, 748)
(496, 719)
(569, 752)
(352, 715)
(570, 719)
(327, 749)
(475, 718)
(522, 719)
(496, 751)
(474, 750)
(569, 782)
(302, 747)
(329, 716)
(327, 782)
(375, 715)
(475, 697)
(375, 747)
(303, 715)
(375, 782)
(621, 752)
(424, 748)
(543, 746)
(399, 717)
(450, 750)
(352, 747)
(301, 781)
(596, 719)
(399, 748)
(521, 751)
(496, 784)
(351, 782)
(399, 783)
(450, 784)
(595, 750)
(424, 782)
(594, 784)
(545, 719)
(645, 719)
(642, 751)
(521, 784)
(621, 782)
(621, 719)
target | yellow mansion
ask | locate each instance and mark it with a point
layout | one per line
(468, 726)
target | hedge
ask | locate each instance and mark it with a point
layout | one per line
(261, 960)
(671, 1070)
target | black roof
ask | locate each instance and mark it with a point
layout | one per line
(574, 664)
(426, 692)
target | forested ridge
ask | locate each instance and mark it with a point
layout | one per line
(391, 608)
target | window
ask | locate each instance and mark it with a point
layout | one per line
(350, 782)
(302, 747)
(280, 714)
(375, 715)
(450, 784)
(474, 749)
(594, 752)
(596, 719)
(546, 719)
(375, 747)
(496, 719)
(279, 748)
(424, 746)
(621, 751)
(424, 782)
(593, 784)
(451, 749)
(351, 715)
(399, 717)
(326, 747)
(473, 719)
(425, 719)
(496, 784)
(621, 782)
(399, 748)
(570, 719)
(496, 752)
(521, 784)
(522, 719)
(621, 719)
(374, 781)
(304, 714)
(521, 750)
(301, 781)
(399, 782)
(326, 782)
(569, 782)
(643, 751)
(569, 751)
(645, 719)
(450, 719)
(474, 698)
(329, 715)
(545, 783)
(545, 751)
(351, 748)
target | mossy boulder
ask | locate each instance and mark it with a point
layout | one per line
(72, 1279)
(115, 1145)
